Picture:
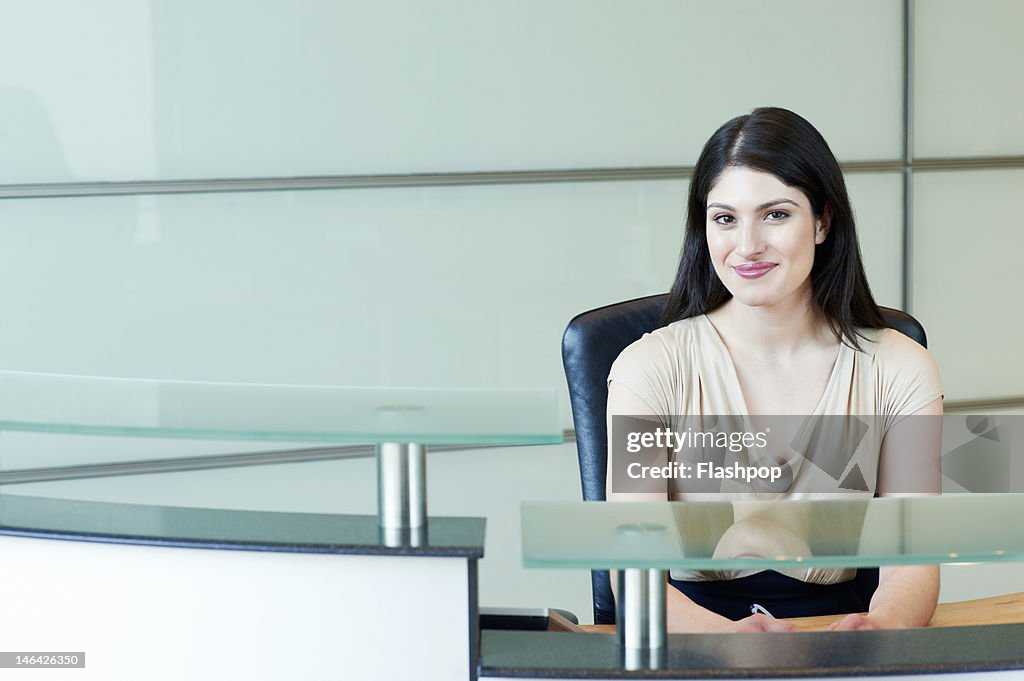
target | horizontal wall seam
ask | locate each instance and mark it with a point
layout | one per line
(977, 163)
(327, 182)
(982, 403)
(265, 184)
(257, 184)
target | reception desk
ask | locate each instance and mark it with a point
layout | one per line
(651, 538)
(182, 593)
(160, 592)
(163, 592)
(170, 593)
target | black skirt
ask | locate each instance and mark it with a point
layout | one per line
(781, 596)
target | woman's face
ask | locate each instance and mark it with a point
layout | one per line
(761, 237)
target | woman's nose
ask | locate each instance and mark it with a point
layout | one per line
(751, 242)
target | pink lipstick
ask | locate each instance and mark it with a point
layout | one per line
(754, 270)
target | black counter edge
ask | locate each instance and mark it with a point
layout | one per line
(744, 673)
(472, 552)
(521, 661)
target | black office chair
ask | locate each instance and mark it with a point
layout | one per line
(590, 344)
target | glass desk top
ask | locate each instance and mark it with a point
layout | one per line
(774, 534)
(58, 403)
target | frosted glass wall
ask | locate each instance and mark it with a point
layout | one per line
(969, 97)
(123, 90)
(468, 285)
(967, 286)
(450, 286)
(446, 286)
(876, 199)
(969, 102)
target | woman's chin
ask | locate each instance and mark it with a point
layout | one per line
(755, 298)
(766, 297)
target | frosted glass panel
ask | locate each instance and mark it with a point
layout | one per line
(121, 90)
(969, 96)
(877, 207)
(966, 285)
(457, 286)
(92, 405)
(774, 534)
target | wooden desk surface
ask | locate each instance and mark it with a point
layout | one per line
(1008, 609)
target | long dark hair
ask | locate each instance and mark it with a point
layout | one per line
(779, 142)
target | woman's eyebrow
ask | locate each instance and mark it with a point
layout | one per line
(768, 204)
(775, 202)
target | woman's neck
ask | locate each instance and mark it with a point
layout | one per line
(781, 330)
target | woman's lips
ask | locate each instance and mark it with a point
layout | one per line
(754, 270)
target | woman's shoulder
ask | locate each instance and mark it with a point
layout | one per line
(890, 347)
(904, 369)
(661, 345)
(658, 362)
(657, 366)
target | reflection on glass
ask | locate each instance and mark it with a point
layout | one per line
(775, 534)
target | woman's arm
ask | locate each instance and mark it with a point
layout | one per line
(624, 402)
(682, 614)
(909, 465)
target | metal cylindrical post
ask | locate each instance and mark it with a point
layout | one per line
(416, 476)
(640, 615)
(401, 486)
(657, 624)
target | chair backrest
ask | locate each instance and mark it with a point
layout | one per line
(591, 342)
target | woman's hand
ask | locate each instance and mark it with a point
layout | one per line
(756, 623)
(856, 621)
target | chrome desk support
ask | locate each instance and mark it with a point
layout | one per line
(401, 486)
(640, 617)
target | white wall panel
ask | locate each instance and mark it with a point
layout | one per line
(966, 281)
(876, 201)
(453, 286)
(77, 91)
(457, 286)
(969, 94)
(190, 89)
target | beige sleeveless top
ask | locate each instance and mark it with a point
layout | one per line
(684, 369)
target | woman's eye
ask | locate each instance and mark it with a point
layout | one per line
(724, 220)
(777, 215)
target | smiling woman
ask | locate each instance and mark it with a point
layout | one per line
(779, 167)
(748, 242)
(771, 314)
